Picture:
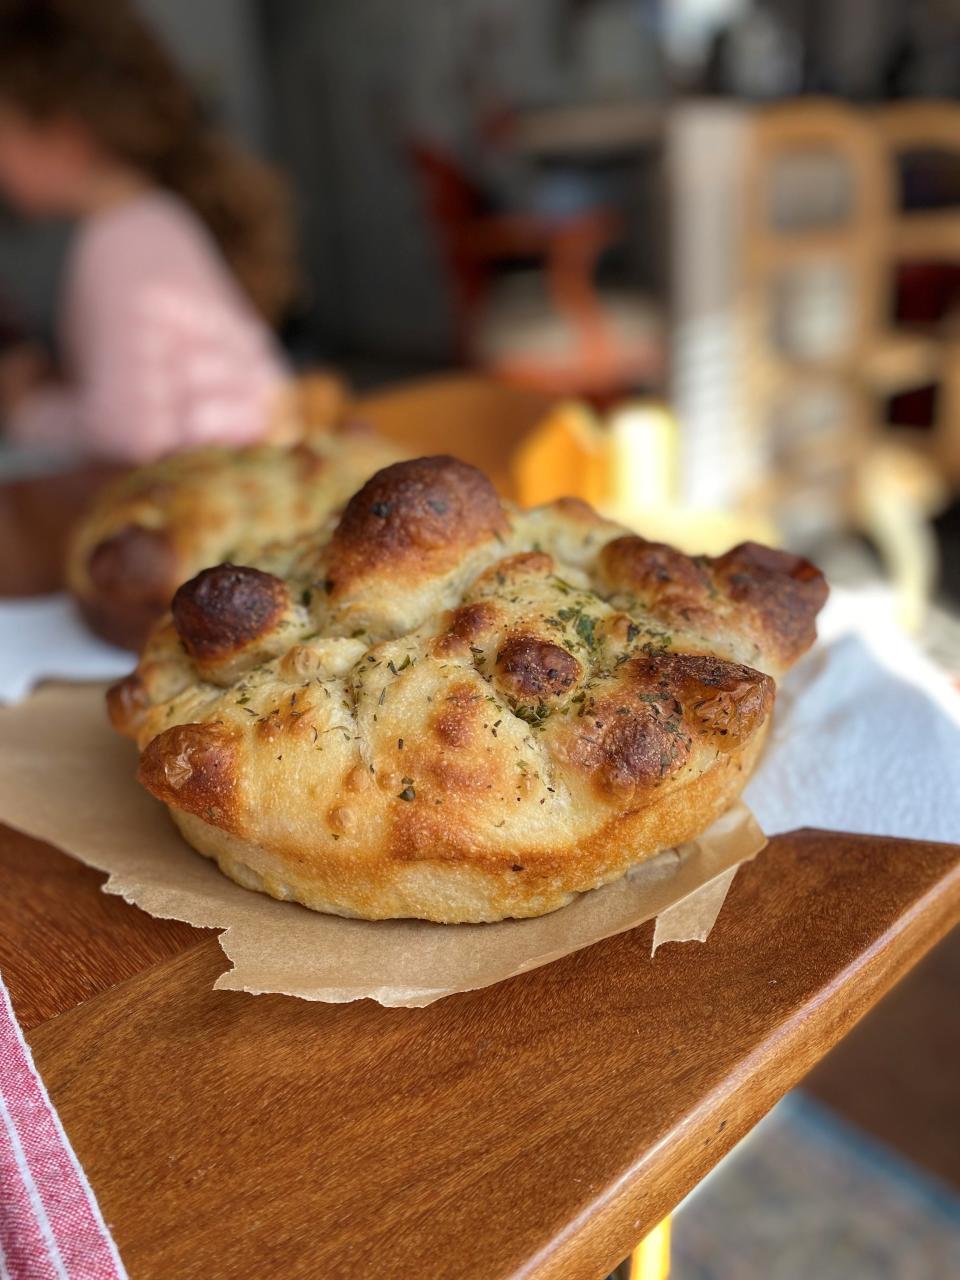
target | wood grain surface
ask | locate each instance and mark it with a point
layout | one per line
(61, 939)
(537, 1128)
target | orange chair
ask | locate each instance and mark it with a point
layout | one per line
(553, 328)
(476, 418)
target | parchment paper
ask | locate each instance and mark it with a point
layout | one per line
(68, 779)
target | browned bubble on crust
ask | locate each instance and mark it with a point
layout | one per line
(193, 767)
(529, 667)
(654, 571)
(626, 751)
(128, 701)
(784, 591)
(469, 625)
(425, 513)
(135, 564)
(716, 698)
(644, 728)
(778, 595)
(223, 609)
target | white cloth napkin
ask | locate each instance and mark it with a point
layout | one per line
(866, 737)
(43, 638)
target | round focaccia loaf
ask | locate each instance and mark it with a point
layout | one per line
(443, 708)
(156, 526)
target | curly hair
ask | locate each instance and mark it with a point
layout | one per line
(98, 61)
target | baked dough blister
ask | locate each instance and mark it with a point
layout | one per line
(441, 707)
(158, 525)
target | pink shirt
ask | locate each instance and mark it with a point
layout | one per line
(162, 349)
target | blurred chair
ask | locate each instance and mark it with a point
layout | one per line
(552, 328)
(824, 233)
(921, 146)
(813, 303)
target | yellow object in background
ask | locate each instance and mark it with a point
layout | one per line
(629, 469)
(643, 487)
(643, 463)
(650, 1260)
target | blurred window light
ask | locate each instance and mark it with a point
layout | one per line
(690, 25)
(644, 457)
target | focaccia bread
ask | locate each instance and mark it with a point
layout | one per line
(444, 708)
(158, 525)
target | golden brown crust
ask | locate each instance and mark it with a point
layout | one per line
(130, 573)
(783, 591)
(120, 623)
(630, 740)
(452, 886)
(770, 596)
(529, 667)
(448, 709)
(157, 526)
(193, 767)
(659, 572)
(128, 702)
(469, 624)
(225, 609)
(134, 564)
(423, 514)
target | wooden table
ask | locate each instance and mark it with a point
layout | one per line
(538, 1129)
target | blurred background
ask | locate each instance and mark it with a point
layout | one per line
(731, 229)
(696, 260)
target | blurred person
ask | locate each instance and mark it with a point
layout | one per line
(183, 254)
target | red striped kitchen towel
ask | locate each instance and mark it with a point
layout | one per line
(51, 1227)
